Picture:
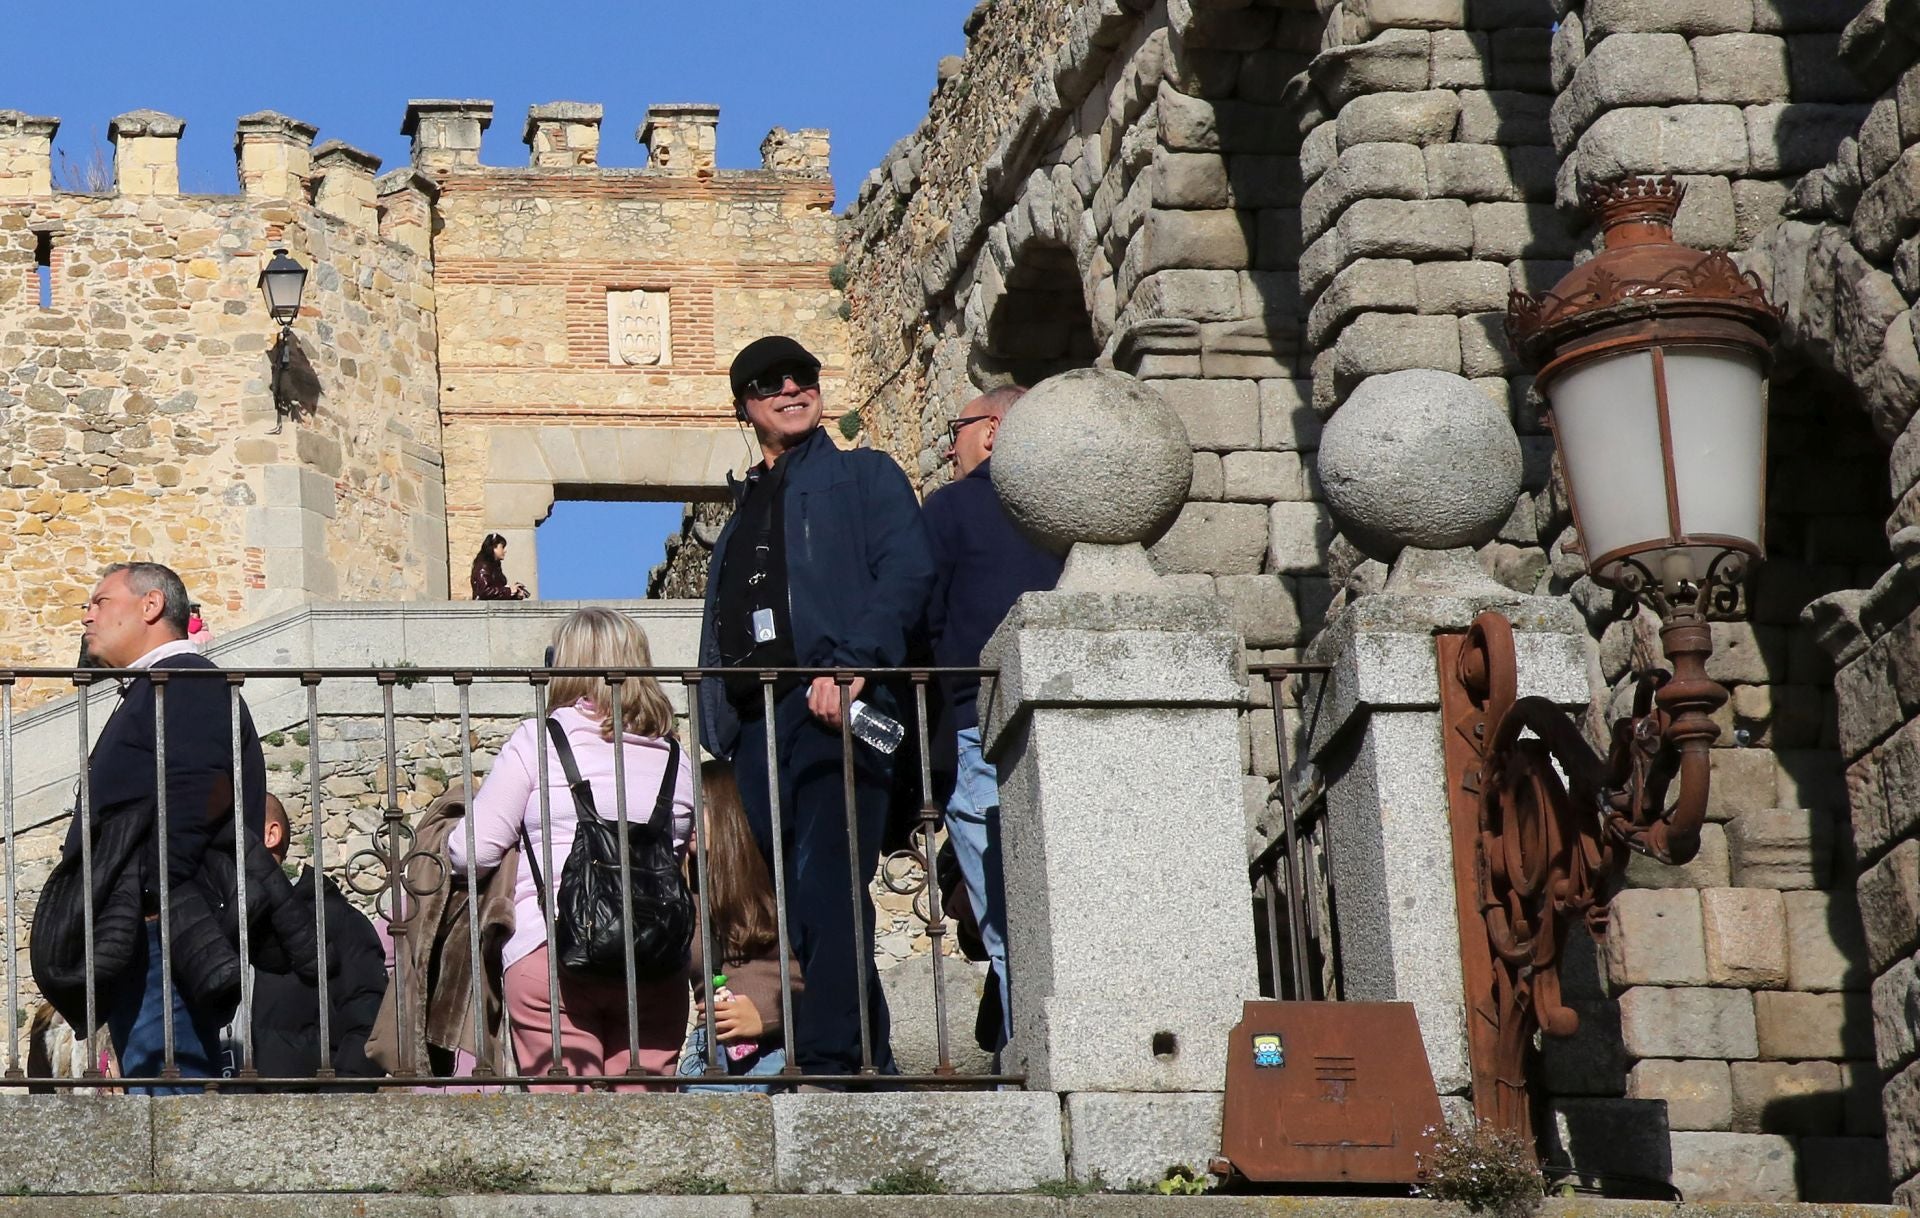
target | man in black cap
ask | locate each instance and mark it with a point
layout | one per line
(824, 565)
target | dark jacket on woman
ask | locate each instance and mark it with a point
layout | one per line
(198, 855)
(489, 582)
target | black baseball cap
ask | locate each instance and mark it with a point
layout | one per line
(764, 355)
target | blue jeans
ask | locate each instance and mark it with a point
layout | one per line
(973, 826)
(135, 1023)
(693, 1062)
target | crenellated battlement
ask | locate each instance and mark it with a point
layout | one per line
(275, 157)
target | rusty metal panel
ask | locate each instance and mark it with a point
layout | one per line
(1328, 1092)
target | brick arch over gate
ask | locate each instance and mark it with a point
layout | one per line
(525, 465)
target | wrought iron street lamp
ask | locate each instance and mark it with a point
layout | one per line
(282, 283)
(1653, 359)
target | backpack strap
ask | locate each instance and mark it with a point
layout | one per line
(583, 807)
(662, 818)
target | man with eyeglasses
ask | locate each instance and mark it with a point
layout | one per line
(823, 565)
(982, 565)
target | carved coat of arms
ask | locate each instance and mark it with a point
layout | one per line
(638, 334)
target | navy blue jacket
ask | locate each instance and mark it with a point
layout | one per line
(858, 572)
(982, 564)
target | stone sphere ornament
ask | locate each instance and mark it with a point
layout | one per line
(1092, 456)
(1421, 459)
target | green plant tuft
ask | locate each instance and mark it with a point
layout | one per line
(300, 736)
(837, 276)
(1182, 1181)
(691, 1184)
(908, 1181)
(845, 311)
(274, 740)
(850, 424)
(467, 1174)
(1488, 1169)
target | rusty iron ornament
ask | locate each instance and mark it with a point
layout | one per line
(1543, 823)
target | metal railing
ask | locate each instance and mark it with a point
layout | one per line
(1292, 876)
(397, 877)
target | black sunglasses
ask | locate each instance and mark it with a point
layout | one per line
(767, 384)
(953, 427)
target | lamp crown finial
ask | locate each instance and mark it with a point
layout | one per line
(1637, 200)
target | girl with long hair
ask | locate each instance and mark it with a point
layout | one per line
(488, 578)
(746, 941)
(506, 812)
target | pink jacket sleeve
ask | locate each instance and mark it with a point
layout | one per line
(500, 805)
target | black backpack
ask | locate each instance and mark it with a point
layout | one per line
(587, 926)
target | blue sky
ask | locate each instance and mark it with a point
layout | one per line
(863, 68)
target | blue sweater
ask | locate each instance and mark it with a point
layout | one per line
(982, 564)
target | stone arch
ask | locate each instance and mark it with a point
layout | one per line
(528, 467)
(1035, 301)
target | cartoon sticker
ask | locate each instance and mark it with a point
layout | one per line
(1267, 1052)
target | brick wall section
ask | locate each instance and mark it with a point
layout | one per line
(526, 259)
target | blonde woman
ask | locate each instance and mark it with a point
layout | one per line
(593, 1013)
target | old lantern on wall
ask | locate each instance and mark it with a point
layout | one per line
(1653, 359)
(282, 283)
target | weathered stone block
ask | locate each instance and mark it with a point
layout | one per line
(1299, 534)
(1902, 1104)
(1395, 228)
(1508, 231)
(1698, 1094)
(1659, 1022)
(1654, 937)
(1745, 654)
(622, 1143)
(1213, 539)
(1219, 415)
(1868, 706)
(1624, 70)
(1460, 287)
(1781, 848)
(1798, 136)
(1793, 1026)
(1506, 117)
(1490, 173)
(1364, 171)
(1204, 240)
(1129, 1140)
(1697, 139)
(1190, 180)
(1621, 1137)
(1896, 1015)
(1266, 608)
(1461, 60)
(1196, 295)
(110, 1134)
(1255, 476)
(1733, 1167)
(1746, 937)
(1889, 209)
(1819, 74)
(975, 1142)
(1826, 948)
(1743, 781)
(1382, 285)
(1397, 61)
(1426, 117)
(1384, 342)
(1745, 68)
(1783, 1097)
(1604, 17)
(1288, 421)
(1209, 477)
(1708, 868)
(1890, 905)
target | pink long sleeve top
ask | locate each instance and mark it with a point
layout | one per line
(509, 800)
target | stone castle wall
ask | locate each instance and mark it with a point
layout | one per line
(1257, 206)
(588, 315)
(136, 406)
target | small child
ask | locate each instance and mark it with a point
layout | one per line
(746, 940)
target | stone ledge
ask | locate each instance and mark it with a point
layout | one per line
(975, 1142)
(546, 1205)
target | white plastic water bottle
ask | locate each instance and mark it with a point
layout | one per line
(880, 730)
